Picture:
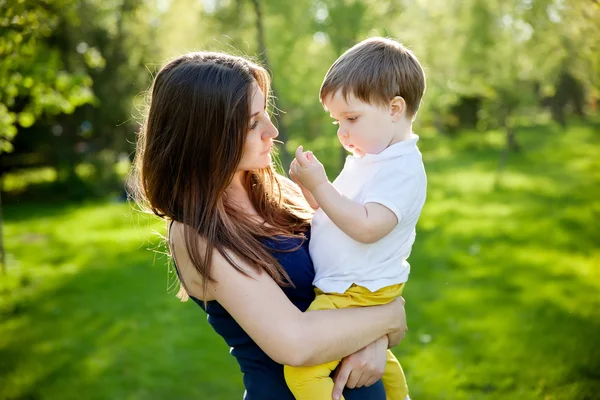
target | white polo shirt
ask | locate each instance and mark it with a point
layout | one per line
(394, 178)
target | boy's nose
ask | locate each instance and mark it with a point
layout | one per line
(342, 134)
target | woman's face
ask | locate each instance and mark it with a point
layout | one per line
(259, 139)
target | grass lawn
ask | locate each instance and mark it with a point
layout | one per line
(503, 299)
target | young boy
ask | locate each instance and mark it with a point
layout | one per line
(364, 226)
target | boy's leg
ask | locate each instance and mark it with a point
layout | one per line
(394, 380)
(308, 383)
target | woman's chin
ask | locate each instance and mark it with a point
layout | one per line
(269, 158)
(264, 162)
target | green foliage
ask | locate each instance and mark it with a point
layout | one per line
(508, 54)
(73, 69)
(34, 75)
(74, 73)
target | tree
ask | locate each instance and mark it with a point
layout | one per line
(69, 72)
(263, 54)
(500, 54)
(33, 75)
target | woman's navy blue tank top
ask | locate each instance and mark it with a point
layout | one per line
(263, 378)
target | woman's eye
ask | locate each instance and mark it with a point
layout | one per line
(254, 125)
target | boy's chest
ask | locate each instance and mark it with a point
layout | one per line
(353, 181)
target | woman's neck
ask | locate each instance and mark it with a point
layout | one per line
(237, 183)
(238, 194)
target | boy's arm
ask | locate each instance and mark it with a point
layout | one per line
(365, 223)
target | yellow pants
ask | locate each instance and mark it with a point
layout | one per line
(314, 383)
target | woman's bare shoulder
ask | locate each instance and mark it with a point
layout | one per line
(221, 270)
(193, 281)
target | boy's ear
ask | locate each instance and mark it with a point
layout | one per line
(397, 108)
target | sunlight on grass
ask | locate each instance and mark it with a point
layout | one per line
(18, 181)
(89, 301)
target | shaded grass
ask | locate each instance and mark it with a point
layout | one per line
(86, 312)
(503, 299)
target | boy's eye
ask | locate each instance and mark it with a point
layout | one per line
(352, 118)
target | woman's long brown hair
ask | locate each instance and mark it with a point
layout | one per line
(188, 151)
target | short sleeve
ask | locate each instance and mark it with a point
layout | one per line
(397, 190)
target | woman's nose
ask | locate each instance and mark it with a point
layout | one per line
(271, 131)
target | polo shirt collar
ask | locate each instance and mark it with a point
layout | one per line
(396, 150)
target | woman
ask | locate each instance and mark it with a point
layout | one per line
(239, 230)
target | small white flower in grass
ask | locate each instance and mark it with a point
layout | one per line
(474, 249)
(424, 338)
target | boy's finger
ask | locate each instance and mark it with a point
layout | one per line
(300, 157)
(310, 156)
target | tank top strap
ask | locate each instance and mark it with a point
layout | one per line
(172, 250)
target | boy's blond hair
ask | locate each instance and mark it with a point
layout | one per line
(375, 71)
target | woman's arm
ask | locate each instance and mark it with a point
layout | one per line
(290, 336)
(281, 330)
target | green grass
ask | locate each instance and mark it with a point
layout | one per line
(503, 300)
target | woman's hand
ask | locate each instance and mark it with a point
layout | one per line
(398, 335)
(363, 368)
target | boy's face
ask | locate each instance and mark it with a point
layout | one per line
(362, 128)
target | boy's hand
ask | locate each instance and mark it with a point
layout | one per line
(307, 195)
(307, 170)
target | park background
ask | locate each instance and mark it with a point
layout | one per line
(503, 300)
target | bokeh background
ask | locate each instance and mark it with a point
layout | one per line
(504, 297)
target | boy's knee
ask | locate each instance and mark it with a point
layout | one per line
(294, 376)
(299, 375)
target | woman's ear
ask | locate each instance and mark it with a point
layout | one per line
(397, 107)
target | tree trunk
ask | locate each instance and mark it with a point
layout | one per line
(262, 50)
(511, 144)
(511, 140)
(2, 252)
